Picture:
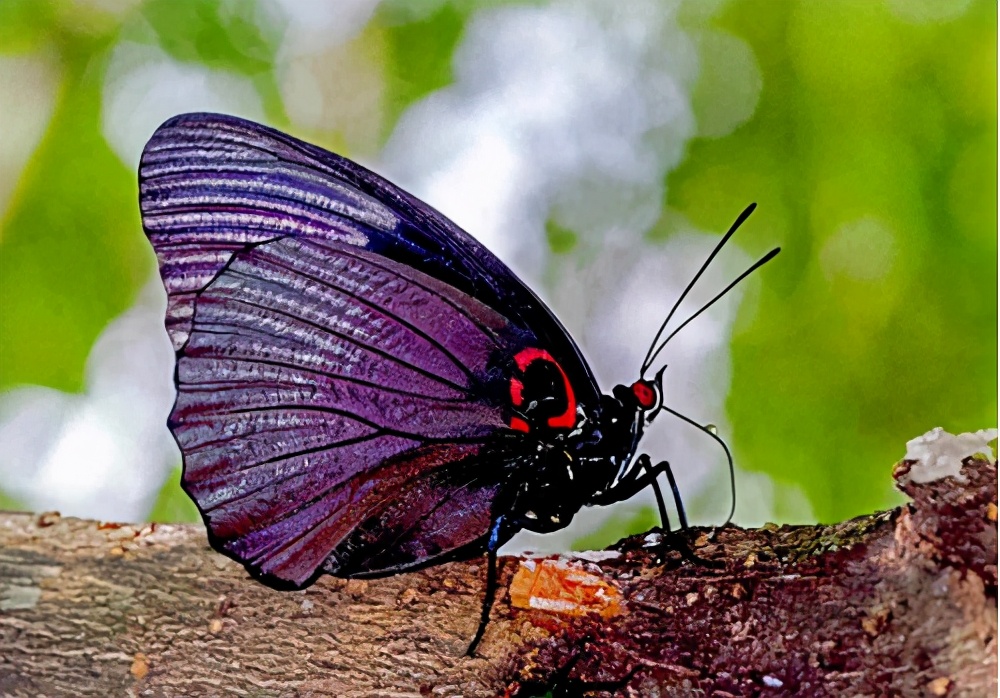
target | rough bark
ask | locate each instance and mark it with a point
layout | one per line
(902, 602)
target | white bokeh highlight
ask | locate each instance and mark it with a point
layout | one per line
(103, 453)
(144, 87)
(574, 109)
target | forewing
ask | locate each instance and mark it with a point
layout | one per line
(312, 373)
(211, 185)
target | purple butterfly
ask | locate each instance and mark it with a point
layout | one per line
(362, 387)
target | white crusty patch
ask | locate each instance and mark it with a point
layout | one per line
(596, 555)
(652, 539)
(939, 454)
(554, 605)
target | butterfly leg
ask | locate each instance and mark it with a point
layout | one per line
(681, 515)
(660, 504)
(644, 474)
(675, 541)
(638, 478)
(492, 545)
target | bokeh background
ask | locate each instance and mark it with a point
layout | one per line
(600, 149)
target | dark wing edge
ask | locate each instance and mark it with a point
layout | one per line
(211, 185)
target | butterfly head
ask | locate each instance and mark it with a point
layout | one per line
(648, 395)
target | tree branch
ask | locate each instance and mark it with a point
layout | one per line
(901, 602)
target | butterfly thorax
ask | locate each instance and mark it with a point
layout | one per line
(568, 468)
(611, 444)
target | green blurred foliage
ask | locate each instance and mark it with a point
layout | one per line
(873, 157)
(239, 36)
(8, 503)
(222, 35)
(561, 240)
(419, 49)
(71, 259)
(872, 153)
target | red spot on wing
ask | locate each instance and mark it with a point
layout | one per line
(526, 356)
(519, 424)
(644, 393)
(516, 388)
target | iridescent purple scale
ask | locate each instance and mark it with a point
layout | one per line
(343, 354)
(325, 353)
(257, 499)
(211, 184)
(275, 335)
(425, 517)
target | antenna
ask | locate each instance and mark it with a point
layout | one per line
(753, 267)
(725, 238)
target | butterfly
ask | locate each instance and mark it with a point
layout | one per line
(362, 387)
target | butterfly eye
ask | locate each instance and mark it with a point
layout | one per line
(645, 393)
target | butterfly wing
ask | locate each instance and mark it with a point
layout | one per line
(343, 354)
(320, 386)
(212, 184)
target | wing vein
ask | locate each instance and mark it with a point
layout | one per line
(243, 494)
(490, 332)
(345, 338)
(211, 386)
(387, 431)
(390, 314)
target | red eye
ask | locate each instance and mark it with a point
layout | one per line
(644, 393)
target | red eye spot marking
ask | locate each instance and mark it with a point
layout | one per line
(644, 393)
(516, 395)
(526, 356)
(519, 424)
(523, 358)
